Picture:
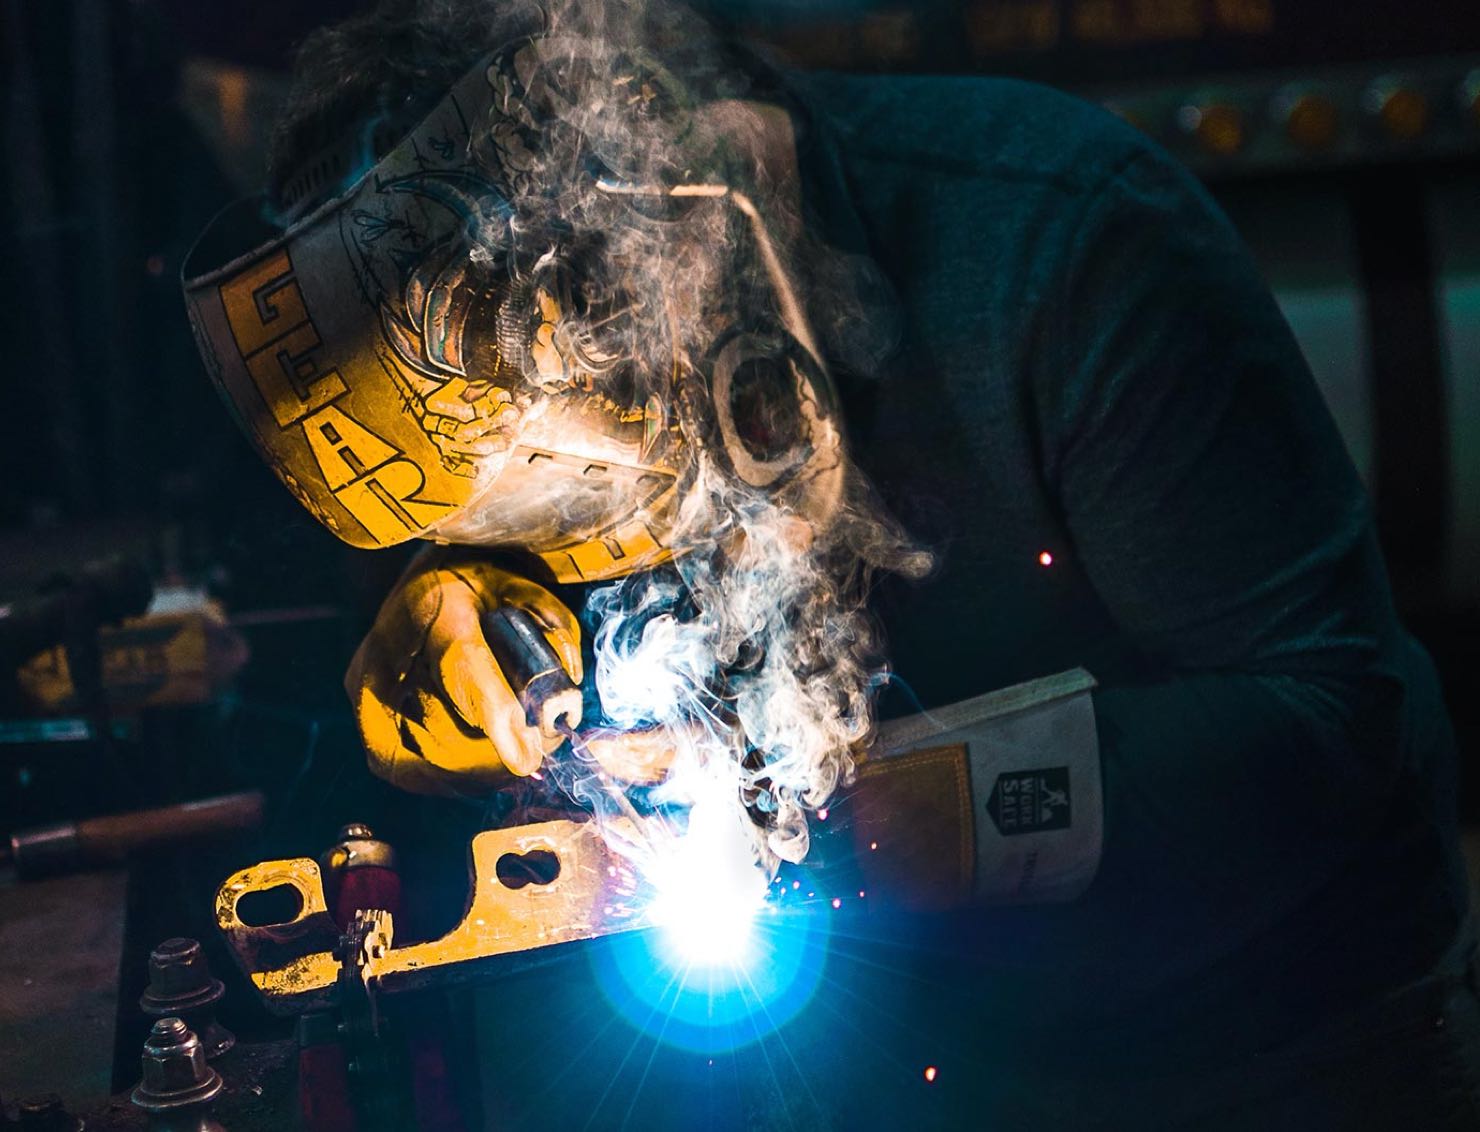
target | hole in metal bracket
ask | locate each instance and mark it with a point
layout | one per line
(538, 866)
(265, 907)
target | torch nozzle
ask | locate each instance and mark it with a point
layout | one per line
(549, 697)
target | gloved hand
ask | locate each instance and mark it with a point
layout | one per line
(642, 756)
(434, 711)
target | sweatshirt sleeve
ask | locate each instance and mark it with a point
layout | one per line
(1212, 506)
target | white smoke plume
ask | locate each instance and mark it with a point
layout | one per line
(753, 645)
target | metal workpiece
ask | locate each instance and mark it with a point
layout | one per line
(296, 964)
(45, 1114)
(181, 985)
(176, 1075)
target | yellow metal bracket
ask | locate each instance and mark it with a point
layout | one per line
(293, 964)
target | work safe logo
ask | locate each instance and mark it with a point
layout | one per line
(1030, 801)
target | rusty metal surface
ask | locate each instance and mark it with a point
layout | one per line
(294, 964)
(61, 941)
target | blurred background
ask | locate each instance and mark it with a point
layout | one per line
(1342, 136)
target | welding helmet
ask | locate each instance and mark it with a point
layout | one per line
(421, 355)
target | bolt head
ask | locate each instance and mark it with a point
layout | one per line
(179, 979)
(175, 1069)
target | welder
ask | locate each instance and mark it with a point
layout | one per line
(1095, 418)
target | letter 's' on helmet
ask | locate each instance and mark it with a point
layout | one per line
(418, 358)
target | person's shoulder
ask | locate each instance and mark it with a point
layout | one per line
(997, 127)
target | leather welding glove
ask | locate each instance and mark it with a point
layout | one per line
(435, 713)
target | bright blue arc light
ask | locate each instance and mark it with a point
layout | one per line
(716, 1008)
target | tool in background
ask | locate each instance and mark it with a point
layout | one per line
(178, 1086)
(551, 700)
(184, 650)
(112, 839)
(181, 986)
(97, 594)
(69, 611)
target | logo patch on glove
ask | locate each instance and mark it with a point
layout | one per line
(1030, 801)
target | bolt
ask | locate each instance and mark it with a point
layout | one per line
(179, 976)
(175, 1071)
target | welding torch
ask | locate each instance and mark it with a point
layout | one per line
(551, 700)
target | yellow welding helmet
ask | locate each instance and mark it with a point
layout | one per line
(419, 357)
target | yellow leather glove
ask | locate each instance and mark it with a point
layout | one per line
(434, 711)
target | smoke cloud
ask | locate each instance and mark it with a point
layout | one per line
(650, 200)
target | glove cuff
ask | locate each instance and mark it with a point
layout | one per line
(995, 800)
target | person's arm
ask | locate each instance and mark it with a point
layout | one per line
(1213, 509)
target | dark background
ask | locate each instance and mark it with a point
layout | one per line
(129, 123)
